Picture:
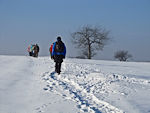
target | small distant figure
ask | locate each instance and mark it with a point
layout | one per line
(30, 49)
(33, 50)
(36, 50)
(50, 50)
(58, 53)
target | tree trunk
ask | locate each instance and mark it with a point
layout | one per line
(89, 52)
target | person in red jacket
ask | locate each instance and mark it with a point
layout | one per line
(50, 50)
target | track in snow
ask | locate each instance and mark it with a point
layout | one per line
(91, 89)
(70, 89)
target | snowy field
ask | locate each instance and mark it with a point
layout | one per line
(29, 85)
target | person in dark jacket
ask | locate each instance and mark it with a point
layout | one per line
(36, 50)
(58, 53)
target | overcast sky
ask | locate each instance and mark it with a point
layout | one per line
(23, 22)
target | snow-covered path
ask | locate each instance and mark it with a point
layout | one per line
(30, 85)
(21, 88)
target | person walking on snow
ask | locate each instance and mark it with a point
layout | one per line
(50, 50)
(30, 49)
(36, 50)
(58, 54)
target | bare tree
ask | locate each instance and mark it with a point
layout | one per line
(122, 55)
(90, 39)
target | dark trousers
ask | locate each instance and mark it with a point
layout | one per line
(58, 60)
(35, 55)
(58, 67)
(30, 53)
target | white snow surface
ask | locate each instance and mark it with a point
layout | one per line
(30, 85)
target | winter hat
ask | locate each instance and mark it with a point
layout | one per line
(58, 38)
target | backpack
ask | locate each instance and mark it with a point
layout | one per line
(59, 47)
